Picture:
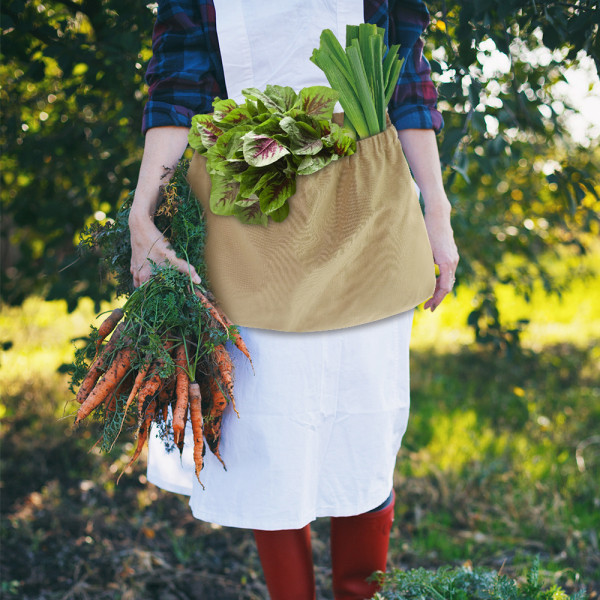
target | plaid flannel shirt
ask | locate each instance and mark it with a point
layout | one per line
(185, 73)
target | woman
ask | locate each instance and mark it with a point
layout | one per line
(323, 418)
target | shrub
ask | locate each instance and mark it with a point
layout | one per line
(465, 583)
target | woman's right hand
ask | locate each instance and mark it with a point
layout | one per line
(148, 243)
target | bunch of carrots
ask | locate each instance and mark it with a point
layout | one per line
(166, 360)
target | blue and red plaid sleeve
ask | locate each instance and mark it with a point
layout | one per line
(185, 72)
(414, 103)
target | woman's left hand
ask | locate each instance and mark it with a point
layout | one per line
(445, 254)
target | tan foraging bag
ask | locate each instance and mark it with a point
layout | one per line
(354, 248)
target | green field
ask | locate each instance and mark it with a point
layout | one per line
(500, 464)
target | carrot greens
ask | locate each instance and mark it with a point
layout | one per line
(168, 336)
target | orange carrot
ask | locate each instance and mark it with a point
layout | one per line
(237, 338)
(139, 379)
(87, 385)
(107, 384)
(225, 367)
(98, 367)
(142, 436)
(108, 325)
(153, 384)
(195, 401)
(181, 391)
(213, 421)
(211, 309)
(149, 389)
(164, 397)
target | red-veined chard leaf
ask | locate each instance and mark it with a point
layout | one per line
(261, 150)
(318, 101)
(235, 117)
(204, 127)
(340, 141)
(276, 192)
(221, 108)
(312, 164)
(251, 214)
(303, 138)
(223, 193)
(230, 145)
(283, 97)
(281, 213)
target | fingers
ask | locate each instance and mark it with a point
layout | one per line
(188, 269)
(142, 273)
(443, 284)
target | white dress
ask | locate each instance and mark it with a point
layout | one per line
(323, 415)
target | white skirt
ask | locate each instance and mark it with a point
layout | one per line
(321, 422)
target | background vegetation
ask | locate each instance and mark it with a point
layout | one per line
(500, 464)
(501, 460)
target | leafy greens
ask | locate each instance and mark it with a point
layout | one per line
(255, 150)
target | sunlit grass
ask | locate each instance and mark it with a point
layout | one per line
(574, 317)
(40, 333)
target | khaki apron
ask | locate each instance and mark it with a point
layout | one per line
(354, 248)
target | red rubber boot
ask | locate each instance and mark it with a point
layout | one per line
(359, 547)
(286, 558)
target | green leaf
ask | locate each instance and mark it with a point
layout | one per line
(261, 150)
(304, 139)
(281, 213)
(378, 85)
(223, 194)
(341, 141)
(203, 132)
(318, 101)
(311, 164)
(221, 108)
(252, 181)
(276, 192)
(351, 33)
(251, 214)
(269, 126)
(263, 102)
(236, 116)
(394, 75)
(362, 84)
(353, 114)
(284, 97)
(331, 47)
(229, 146)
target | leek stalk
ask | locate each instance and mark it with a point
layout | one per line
(364, 79)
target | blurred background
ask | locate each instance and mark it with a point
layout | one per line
(501, 461)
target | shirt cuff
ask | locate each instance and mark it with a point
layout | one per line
(416, 116)
(162, 114)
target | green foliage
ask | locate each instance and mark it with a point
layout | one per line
(519, 184)
(465, 583)
(72, 96)
(255, 150)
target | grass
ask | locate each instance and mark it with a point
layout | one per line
(500, 465)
